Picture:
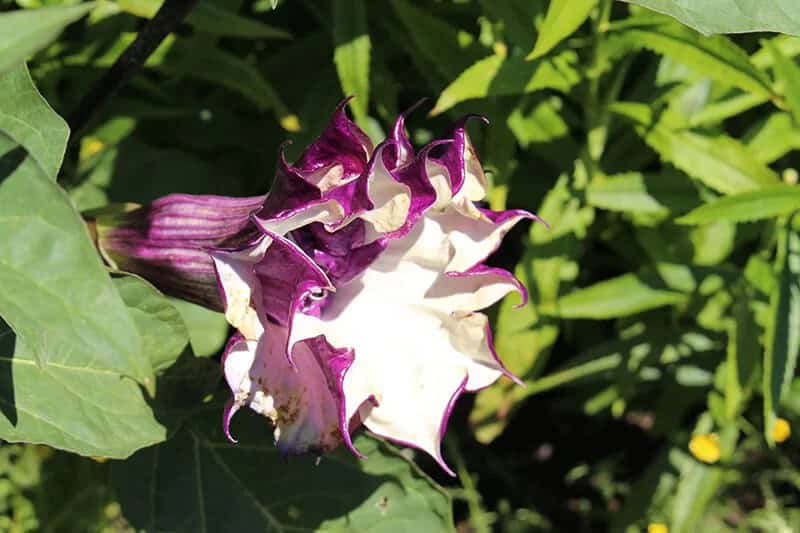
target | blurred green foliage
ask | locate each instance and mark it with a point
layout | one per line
(660, 343)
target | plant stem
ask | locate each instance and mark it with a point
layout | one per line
(168, 17)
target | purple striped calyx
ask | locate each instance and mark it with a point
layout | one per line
(167, 242)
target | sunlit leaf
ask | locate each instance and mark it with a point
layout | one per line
(562, 19)
(772, 201)
(668, 284)
(498, 75)
(56, 294)
(719, 161)
(716, 57)
(787, 72)
(352, 52)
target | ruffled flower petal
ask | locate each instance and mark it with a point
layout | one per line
(303, 398)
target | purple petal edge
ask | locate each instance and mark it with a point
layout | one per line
(481, 269)
(338, 364)
(230, 406)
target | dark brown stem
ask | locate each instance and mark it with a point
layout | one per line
(168, 17)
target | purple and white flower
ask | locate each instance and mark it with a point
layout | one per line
(360, 303)
(355, 285)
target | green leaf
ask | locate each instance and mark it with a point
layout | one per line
(28, 120)
(562, 19)
(446, 49)
(523, 336)
(539, 123)
(772, 138)
(787, 72)
(769, 202)
(164, 334)
(783, 330)
(731, 16)
(717, 58)
(499, 75)
(56, 295)
(352, 52)
(628, 294)
(208, 330)
(634, 192)
(519, 19)
(73, 402)
(25, 32)
(720, 162)
(202, 482)
(210, 18)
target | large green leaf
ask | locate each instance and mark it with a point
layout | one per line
(56, 294)
(667, 284)
(27, 119)
(719, 161)
(716, 57)
(352, 52)
(500, 75)
(731, 16)
(769, 202)
(210, 18)
(73, 402)
(198, 481)
(562, 19)
(25, 32)
(783, 329)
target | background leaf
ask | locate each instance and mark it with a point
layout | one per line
(200, 481)
(562, 19)
(715, 57)
(769, 202)
(783, 332)
(23, 33)
(352, 53)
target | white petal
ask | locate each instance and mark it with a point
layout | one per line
(390, 198)
(329, 212)
(238, 281)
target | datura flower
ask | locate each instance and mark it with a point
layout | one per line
(357, 294)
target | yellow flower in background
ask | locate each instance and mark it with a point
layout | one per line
(657, 528)
(705, 447)
(781, 430)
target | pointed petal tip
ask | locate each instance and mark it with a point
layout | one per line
(443, 426)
